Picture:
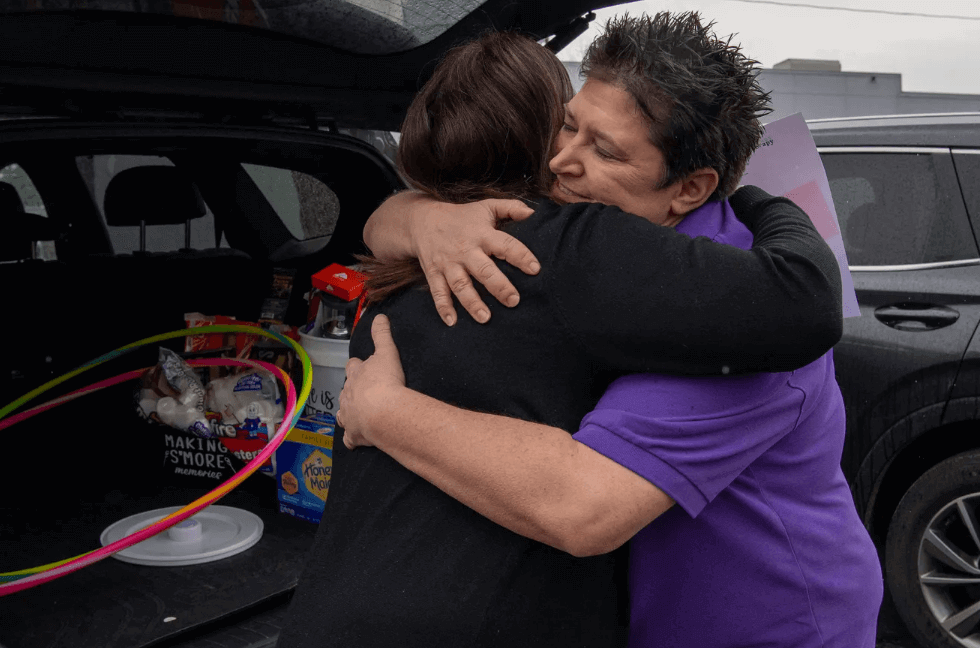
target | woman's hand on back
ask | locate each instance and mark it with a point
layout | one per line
(369, 386)
(454, 245)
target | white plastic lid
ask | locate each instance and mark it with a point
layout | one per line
(216, 532)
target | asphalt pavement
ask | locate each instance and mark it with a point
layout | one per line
(891, 631)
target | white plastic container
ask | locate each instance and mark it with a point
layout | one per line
(329, 357)
(215, 533)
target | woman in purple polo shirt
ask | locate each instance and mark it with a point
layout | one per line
(765, 547)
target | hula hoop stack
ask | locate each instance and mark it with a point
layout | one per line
(16, 581)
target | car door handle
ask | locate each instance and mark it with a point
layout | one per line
(916, 317)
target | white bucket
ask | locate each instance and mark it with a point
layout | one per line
(329, 357)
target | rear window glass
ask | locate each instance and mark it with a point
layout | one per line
(99, 170)
(15, 176)
(31, 203)
(968, 169)
(899, 208)
(307, 207)
(362, 26)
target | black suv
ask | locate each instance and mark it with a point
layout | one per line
(907, 194)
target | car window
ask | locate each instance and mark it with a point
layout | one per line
(307, 207)
(99, 170)
(15, 176)
(386, 142)
(968, 170)
(898, 208)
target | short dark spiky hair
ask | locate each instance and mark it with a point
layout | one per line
(698, 92)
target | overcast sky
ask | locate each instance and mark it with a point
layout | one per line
(931, 54)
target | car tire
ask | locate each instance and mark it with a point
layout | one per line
(932, 555)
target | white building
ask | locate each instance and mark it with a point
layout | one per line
(821, 89)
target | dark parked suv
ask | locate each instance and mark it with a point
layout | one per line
(907, 194)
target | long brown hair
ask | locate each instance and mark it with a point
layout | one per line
(482, 127)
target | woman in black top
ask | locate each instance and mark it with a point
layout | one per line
(396, 561)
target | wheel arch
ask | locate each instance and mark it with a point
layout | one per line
(906, 451)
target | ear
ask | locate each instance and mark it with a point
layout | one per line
(693, 191)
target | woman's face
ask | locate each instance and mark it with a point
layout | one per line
(604, 154)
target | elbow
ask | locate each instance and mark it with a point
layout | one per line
(583, 512)
(588, 550)
(835, 331)
(832, 315)
(827, 329)
(810, 340)
(830, 325)
(374, 226)
(586, 543)
(584, 534)
(820, 320)
(370, 229)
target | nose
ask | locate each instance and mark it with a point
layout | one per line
(567, 160)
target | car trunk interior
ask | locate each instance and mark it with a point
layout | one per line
(117, 277)
(99, 103)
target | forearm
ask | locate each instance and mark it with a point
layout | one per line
(802, 259)
(668, 303)
(530, 478)
(388, 231)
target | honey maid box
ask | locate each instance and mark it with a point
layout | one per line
(304, 463)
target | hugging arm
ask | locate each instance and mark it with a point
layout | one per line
(533, 479)
(537, 480)
(649, 297)
(452, 243)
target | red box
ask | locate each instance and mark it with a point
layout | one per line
(340, 281)
(208, 341)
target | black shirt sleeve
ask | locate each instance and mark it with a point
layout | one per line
(642, 297)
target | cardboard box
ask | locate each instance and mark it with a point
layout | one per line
(304, 463)
(340, 281)
(210, 341)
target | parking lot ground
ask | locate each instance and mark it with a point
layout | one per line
(891, 630)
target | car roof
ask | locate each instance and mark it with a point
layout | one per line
(91, 61)
(953, 130)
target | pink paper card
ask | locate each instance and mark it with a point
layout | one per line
(810, 200)
(787, 164)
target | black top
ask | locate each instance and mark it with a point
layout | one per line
(396, 562)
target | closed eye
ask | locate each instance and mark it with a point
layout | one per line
(604, 154)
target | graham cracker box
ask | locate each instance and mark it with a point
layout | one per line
(304, 463)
